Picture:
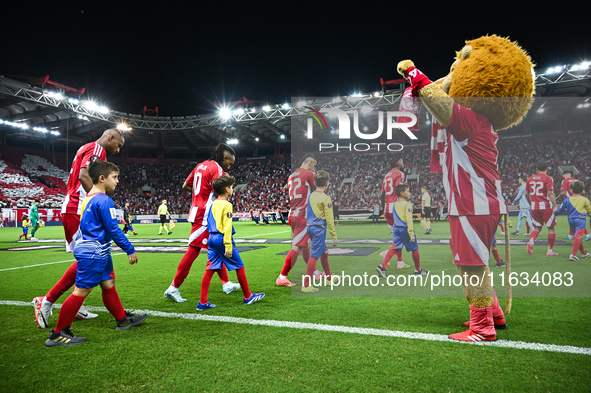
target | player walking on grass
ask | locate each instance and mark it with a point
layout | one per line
(404, 234)
(162, 213)
(540, 194)
(567, 180)
(577, 207)
(200, 184)
(127, 220)
(301, 184)
(35, 220)
(79, 183)
(524, 208)
(221, 248)
(426, 210)
(319, 218)
(388, 197)
(98, 229)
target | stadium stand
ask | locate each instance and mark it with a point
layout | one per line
(262, 183)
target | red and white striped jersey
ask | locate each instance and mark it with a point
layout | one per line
(471, 175)
(301, 184)
(538, 187)
(75, 193)
(201, 180)
(391, 180)
(566, 185)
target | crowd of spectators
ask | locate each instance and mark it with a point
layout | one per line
(356, 178)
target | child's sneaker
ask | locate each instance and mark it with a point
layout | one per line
(174, 295)
(568, 237)
(381, 271)
(205, 306)
(470, 336)
(309, 289)
(255, 297)
(63, 338)
(587, 255)
(515, 233)
(230, 287)
(421, 272)
(34, 239)
(551, 253)
(573, 258)
(402, 265)
(130, 320)
(588, 237)
(284, 282)
(83, 313)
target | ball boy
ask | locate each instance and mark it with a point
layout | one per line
(98, 229)
(577, 207)
(404, 234)
(222, 251)
(319, 217)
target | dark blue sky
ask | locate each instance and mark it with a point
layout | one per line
(182, 58)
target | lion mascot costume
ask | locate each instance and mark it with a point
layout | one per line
(490, 87)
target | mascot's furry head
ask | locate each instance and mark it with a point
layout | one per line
(492, 66)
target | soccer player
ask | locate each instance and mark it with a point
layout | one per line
(254, 216)
(524, 208)
(301, 184)
(577, 207)
(565, 191)
(127, 220)
(265, 217)
(25, 223)
(279, 215)
(79, 183)
(319, 218)
(35, 219)
(98, 228)
(200, 184)
(426, 210)
(540, 195)
(221, 250)
(388, 197)
(404, 234)
(163, 212)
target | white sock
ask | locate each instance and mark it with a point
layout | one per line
(281, 276)
(172, 288)
(46, 302)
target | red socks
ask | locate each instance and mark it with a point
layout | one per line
(64, 283)
(68, 312)
(551, 240)
(389, 254)
(306, 254)
(205, 285)
(416, 258)
(324, 262)
(310, 268)
(290, 260)
(496, 255)
(113, 303)
(534, 235)
(241, 274)
(223, 273)
(185, 265)
(578, 243)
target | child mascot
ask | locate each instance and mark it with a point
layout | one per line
(489, 88)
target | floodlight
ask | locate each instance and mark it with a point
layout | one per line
(285, 106)
(266, 108)
(225, 113)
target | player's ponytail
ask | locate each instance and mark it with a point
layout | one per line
(218, 152)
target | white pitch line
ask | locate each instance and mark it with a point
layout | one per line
(48, 263)
(264, 234)
(344, 329)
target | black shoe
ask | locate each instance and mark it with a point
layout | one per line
(170, 233)
(381, 271)
(515, 233)
(421, 272)
(130, 320)
(63, 338)
(502, 264)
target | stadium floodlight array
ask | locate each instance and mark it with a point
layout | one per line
(25, 126)
(583, 66)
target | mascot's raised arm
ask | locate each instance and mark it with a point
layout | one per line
(489, 88)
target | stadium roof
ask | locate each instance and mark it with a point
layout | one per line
(46, 112)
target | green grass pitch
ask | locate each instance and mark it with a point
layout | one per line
(176, 353)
